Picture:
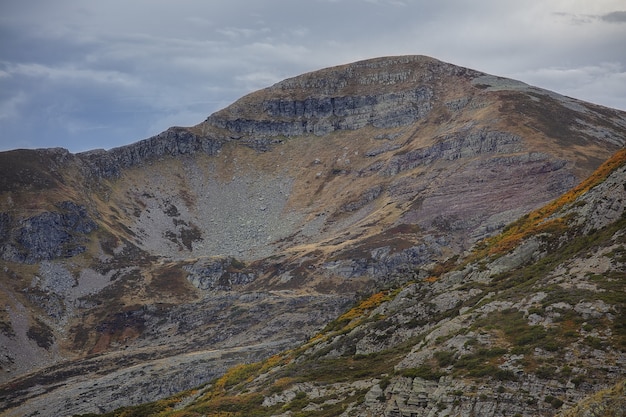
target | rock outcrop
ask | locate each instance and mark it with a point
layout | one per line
(46, 236)
(219, 274)
(172, 142)
(324, 115)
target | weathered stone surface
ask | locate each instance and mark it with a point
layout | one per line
(218, 274)
(172, 142)
(455, 147)
(324, 115)
(383, 263)
(609, 402)
(48, 235)
(608, 206)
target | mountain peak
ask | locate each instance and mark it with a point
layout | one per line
(381, 92)
(365, 77)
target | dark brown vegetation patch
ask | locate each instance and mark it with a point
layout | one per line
(41, 334)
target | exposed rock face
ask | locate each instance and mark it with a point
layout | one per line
(48, 235)
(261, 224)
(611, 401)
(383, 263)
(383, 93)
(172, 142)
(464, 145)
(321, 116)
(218, 274)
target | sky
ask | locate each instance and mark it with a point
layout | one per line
(84, 75)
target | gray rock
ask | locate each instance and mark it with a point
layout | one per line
(455, 147)
(383, 263)
(46, 236)
(323, 115)
(218, 274)
(174, 141)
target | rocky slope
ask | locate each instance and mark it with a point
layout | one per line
(529, 323)
(244, 235)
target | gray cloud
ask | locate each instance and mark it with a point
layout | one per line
(615, 17)
(612, 17)
(86, 75)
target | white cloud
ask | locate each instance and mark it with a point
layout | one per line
(300, 31)
(237, 33)
(69, 73)
(604, 83)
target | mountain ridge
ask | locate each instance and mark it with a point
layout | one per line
(270, 217)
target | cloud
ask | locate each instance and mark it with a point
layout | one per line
(10, 107)
(387, 2)
(614, 17)
(611, 17)
(577, 19)
(236, 33)
(68, 74)
(604, 83)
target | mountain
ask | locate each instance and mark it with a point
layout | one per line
(132, 274)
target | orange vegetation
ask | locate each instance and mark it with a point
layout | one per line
(366, 305)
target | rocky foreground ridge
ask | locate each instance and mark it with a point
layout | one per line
(132, 274)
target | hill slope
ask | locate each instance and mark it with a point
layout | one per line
(134, 273)
(535, 329)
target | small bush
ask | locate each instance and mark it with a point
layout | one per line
(444, 358)
(546, 372)
(594, 342)
(553, 401)
(384, 383)
(300, 401)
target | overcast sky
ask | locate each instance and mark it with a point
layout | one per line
(85, 74)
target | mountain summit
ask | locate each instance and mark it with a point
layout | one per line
(138, 272)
